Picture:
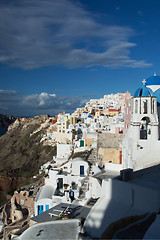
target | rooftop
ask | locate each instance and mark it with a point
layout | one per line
(106, 174)
(143, 91)
(148, 177)
(74, 211)
(154, 80)
(52, 230)
(45, 192)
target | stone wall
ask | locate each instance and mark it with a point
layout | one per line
(109, 140)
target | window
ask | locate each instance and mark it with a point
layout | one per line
(47, 207)
(40, 209)
(153, 106)
(145, 106)
(136, 106)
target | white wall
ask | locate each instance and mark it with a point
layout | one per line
(67, 179)
(118, 200)
(76, 167)
(60, 161)
(64, 150)
(82, 149)
(44, 201)
(139, 154)
(94, 188)
(113, 167)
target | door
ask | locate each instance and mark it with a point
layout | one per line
(82, 143)
(40, 209)
(81, 170)
(120, 157)
(60, 182)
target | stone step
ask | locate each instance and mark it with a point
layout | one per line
(85, 182)
(84, 191)
(81, 197)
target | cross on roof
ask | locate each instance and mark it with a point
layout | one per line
(144, 82)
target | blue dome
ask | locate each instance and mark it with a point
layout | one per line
(143, 92)
(89, 116)
(154, 80)
(157, 94)
(84, 112)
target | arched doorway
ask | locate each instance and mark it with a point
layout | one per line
(144, 127)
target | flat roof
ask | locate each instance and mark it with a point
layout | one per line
(148, 177)
(75, 211)
(106, 174)
(62, 229)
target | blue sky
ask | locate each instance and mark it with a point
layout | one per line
(56, 54)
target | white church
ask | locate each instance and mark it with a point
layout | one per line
(141, 145)
(137, 194)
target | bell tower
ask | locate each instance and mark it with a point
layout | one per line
(141, 143)
(144, 119)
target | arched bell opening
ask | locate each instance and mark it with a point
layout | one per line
(144, 128)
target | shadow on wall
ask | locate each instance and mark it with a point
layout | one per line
(127, 204)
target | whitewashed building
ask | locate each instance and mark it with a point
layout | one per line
(60, 183)
(141, 142)
(43, 200)
(63, 153)
(136, 196)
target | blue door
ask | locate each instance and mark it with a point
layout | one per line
(81, 170)
(71, 195)
(40, 209)
(47, 207)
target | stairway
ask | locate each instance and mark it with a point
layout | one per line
(93, 160)
(93, 156)
(92, 201)
(85, 185)
(84, 189)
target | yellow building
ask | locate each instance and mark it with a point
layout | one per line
(63, 126)
(113, 112)
(111, 155)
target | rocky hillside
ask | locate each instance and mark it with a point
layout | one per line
(5, 121)
(21, 153)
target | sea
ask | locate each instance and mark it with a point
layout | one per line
(3, 131)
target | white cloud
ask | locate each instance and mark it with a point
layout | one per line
(39, 101)
(14, 103)
(61, 32)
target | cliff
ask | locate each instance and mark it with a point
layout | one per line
(21, 153)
